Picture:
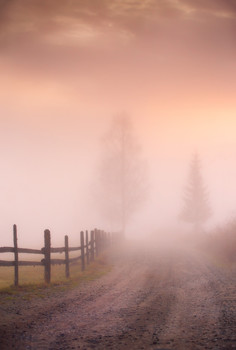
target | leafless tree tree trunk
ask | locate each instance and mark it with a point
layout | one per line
(123, 181)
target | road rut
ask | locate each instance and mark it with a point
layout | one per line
(152, 299)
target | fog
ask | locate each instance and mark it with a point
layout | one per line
(67, 68)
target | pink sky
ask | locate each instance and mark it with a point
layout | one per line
(65, 70)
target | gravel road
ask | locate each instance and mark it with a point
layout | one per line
(152, 299)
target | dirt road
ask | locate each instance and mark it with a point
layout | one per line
(152, 299)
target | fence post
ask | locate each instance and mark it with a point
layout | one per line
(16, 279)
(99, 241)
(67, 266)
(102, 240)
(96, 242)
(47, 256)
(87, 247)
(92, 245)
(105, 239)
(82, 250)
(100, 235)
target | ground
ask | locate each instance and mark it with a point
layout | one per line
(155, 297)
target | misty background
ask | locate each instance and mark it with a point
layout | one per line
(67, 68)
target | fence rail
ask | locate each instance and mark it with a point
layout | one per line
(91, 245)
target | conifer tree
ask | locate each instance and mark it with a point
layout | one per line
(196, 208)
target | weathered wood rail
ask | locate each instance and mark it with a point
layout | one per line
(91, 245)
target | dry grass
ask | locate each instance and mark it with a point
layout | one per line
(31, 279)
(221, 243)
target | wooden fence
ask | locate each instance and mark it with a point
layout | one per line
(91, 245)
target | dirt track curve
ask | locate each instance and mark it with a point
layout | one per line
(151, 300)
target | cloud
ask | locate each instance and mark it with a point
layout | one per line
(64, 35)
(88, 18)
(217, 8)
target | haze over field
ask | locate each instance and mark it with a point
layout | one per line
(66, 68)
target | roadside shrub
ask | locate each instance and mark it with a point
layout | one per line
(222, 242)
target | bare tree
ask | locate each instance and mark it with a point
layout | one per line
(122, 174)
(196, 208)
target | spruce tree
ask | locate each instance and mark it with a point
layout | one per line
(196, 209)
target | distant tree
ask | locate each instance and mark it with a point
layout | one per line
(196, 208)
(123, 181)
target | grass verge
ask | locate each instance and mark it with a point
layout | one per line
(32, 282)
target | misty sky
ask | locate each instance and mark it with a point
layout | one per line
(67, 67)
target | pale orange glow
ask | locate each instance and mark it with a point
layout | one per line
(67, 68)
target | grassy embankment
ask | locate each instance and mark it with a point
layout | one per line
(31, 279)
(221, 244)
